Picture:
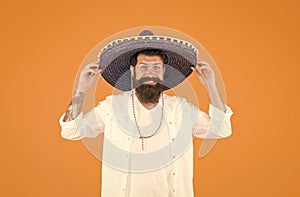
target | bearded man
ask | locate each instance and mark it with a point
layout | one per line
(148, 149)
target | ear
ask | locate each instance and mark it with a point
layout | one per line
(164, 70)
(132, 70)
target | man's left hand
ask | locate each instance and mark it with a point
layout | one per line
(205, 74)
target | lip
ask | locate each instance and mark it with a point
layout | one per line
(149, 83)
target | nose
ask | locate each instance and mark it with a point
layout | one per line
(150, 72)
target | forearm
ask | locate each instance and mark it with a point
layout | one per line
(215, 98)
(74, 107)
(75, 125)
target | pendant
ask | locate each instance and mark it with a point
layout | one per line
(143, 148)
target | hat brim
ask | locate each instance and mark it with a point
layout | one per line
(115, 61)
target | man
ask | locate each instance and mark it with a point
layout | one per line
(148, 148)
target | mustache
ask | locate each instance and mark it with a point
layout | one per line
(145, 79)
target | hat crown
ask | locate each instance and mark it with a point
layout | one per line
(146, 33)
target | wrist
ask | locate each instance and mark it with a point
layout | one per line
(77, 97)
(79, 92)
(211, 87)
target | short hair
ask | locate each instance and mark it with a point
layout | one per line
(148, 52)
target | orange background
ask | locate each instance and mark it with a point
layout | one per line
(254, 43)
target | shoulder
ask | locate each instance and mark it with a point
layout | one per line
(182, 103)
(116, 98)
(174, 99)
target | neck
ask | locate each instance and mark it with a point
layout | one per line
(149, 105)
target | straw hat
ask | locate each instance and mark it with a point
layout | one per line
(114, 58)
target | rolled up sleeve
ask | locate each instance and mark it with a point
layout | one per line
(88, 125)
(215, 124)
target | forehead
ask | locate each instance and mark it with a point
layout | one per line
(150, 59)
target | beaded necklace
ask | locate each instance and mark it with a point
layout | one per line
(136, 124)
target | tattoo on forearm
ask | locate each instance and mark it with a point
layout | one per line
(74, 107)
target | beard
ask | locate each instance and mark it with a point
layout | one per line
(148, 93)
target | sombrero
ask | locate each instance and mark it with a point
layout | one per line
(114, 58)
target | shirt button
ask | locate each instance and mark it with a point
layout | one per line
(123, 189)
(173, 173)
(173, 139)
(174, 157)
(173, 190)
(129, 138)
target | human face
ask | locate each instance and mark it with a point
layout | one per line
(148, 66)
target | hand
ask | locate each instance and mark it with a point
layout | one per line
(205, 74)
(88, 76)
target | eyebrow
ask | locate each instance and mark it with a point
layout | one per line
(152, 64)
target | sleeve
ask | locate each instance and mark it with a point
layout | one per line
(89, 125)
(216, 124)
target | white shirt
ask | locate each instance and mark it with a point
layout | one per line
(165, 166)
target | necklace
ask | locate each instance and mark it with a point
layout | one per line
(136, 124)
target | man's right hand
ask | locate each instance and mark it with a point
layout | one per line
(87, 76)
(86, 79)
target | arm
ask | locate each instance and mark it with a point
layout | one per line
(207, 78)
(217, 123)
(75, 125)
(74, 107)
(87, 77)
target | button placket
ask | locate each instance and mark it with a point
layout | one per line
(124, 182)
(173, 173)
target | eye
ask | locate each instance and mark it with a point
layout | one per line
(143, 67)
(156, 68)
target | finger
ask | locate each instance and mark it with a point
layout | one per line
(98, 72)
(199, 75)
(93, 65)
(89, 72)
(199, 68)
(196, 71)
(202, 63)
(205, 68)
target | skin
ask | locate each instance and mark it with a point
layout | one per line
(206, 76)
(147, 66)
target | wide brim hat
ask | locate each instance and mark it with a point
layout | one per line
(114, 58)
